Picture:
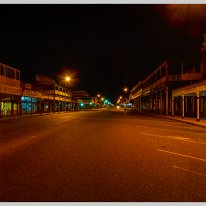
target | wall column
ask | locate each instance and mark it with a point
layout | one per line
(40, 106)
(31, 106)
(160, 102)
(54, 103)
(12, 107)
(173, 106)
(19, 106)
(156, 106)
(183, 106)
(193, 105)
(167, 102)
(204, 106)
(198, 106)
(140, 103)
(64, 105)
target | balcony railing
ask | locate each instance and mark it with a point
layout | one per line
(5, 89)
(185, 77)
(9, 81)
(137, 94)
(155, 85)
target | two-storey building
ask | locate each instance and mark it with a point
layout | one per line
(154, 93)
(10, 91)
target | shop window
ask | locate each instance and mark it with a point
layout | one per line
(34, 100)
(27, 99)
(6, 108)
(26, 107)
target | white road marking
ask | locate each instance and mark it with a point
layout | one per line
(182, 155)
(175, 137)
(171, 130)
(198, 173)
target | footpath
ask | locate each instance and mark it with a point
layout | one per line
(42, 114)
(31, 115)
(187, 120)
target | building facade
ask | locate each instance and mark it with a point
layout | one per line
(155, 92)
(83, 100)
(44, 95)
(10, 91)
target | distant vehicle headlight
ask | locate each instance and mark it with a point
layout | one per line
(117, 107)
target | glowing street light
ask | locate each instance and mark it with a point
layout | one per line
(125, 89)
(67, 78)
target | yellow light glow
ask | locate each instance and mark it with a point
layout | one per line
(102, 98)
(68, 78)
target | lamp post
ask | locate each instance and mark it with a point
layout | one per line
(125, 91)
(98, 100)
(68, 79)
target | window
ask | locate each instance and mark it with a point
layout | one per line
(1, 70)
(17, 75)
(7, 72)
(27, 99)
(11, 73)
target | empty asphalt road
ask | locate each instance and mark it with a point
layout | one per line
(102, 155)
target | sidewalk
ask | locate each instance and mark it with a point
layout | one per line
(42, 114)
(33, 115)
(22, 116)
(189, 120)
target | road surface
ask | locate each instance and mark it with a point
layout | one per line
(103, 155)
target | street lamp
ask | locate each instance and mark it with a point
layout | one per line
(67, 78)
(125, 89)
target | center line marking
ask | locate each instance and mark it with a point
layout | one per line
(174, 137)
(182, 155)
(198, 173)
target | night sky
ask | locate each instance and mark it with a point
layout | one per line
(108, 46)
